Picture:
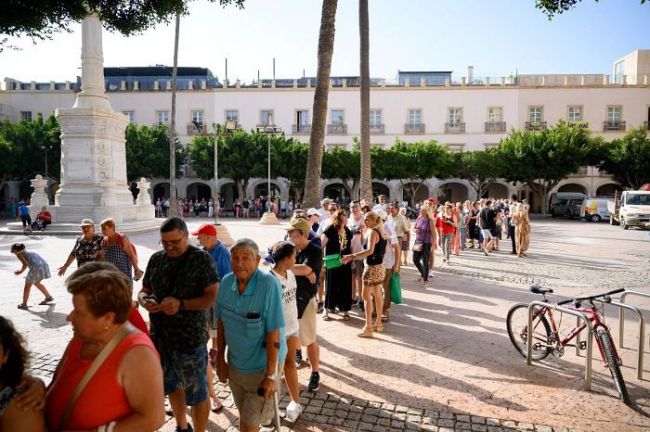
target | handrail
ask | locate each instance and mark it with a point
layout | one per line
(581, 315)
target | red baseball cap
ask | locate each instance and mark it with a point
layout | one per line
(207, 229)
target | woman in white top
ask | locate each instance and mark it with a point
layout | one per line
(283, 257)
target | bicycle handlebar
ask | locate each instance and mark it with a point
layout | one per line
(579, 299)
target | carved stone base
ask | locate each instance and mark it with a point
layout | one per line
(269, 218)
(224, 236)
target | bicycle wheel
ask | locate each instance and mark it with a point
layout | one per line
(517, 325)
(607, 345)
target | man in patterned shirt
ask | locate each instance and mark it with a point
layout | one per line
(87, 248)
(179, 286)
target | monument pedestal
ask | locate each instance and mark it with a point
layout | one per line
(269, 218)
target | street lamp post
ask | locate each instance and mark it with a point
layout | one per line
(269, 130)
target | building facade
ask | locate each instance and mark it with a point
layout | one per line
(466, 113)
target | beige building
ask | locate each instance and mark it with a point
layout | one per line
(465, 113)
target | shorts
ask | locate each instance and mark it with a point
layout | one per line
(26, 220)
(374, 274)
(357, 268)
(487, 235)
(188, 370)
(308, 323)
(405, 245)
(253, 409)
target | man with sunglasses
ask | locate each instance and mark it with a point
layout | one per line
(179, 286)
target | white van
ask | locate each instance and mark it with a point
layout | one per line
(595, 209)
(558, 202)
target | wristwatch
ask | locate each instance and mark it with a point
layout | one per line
(181, 307)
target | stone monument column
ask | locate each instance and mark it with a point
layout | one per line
(93, 156)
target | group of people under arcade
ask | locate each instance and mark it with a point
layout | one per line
(329, 262)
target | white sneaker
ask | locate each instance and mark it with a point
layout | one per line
(294, 409)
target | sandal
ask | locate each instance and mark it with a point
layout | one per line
(366, 333)
(46, 301)
(379, 328)
(326, 317)
(22, 306)
(346, 316)
(216, 407)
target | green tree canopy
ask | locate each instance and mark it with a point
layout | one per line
(628, 159)
(543, 159)
(479, 168)
(24, 146)
(147, 152)
(556, 7)
(339, 162)
(41, 19)
(289, 160)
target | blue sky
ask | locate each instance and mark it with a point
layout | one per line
(497, 37)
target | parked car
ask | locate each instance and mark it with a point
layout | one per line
(595, 209)
(573, 207)
(559, 200)
(630, 208)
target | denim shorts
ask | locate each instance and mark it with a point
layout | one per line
(187, 369)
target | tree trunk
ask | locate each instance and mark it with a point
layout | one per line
(364, 91)
(241, 189)
(317, 135)
(172, 127)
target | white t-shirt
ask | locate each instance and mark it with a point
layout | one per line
(289, 307)
(389, 255)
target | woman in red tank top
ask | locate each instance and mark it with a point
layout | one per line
(127, 389)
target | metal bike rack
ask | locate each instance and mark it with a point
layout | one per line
(622, 306)
(621, 325)
(580, 315)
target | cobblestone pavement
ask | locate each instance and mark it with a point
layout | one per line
(445, 362)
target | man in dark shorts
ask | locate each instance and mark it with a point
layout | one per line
(179, 286)
(309, 262)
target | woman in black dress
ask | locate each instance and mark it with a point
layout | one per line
(336, 239)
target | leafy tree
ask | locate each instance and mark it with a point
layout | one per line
(556, 7)
(342, 163)
(628, 159)
(317, 136)
(412, 163)
(147, 152)
(543, 159)
(479, 168)
(41, 19)
(289, 160)
(24, 147)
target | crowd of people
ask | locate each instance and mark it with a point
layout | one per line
(256, 320)
(240, 208)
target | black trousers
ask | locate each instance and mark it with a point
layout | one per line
(511, 233)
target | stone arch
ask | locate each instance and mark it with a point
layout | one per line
(452, 190)
(160, 189)
(498, 190)
(573, 187)
(198, 190)
(335, 190)
(608, 189)
(421, 194)
(379, 187)
(259, 187)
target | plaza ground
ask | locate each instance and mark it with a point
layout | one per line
(445, 361)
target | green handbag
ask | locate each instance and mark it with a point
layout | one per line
(395, 289)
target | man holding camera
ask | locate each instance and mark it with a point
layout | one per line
(179, 285)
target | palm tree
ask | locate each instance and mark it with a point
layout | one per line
(317, 136)
(173, 204)
(364, 36)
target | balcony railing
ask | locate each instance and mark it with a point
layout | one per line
(535, 125)
(495, 126)
(617, 125)
(337, 128)
(580, 124)
(377, 129)
(458, 127)
(301, 129)
(414, 128)
(196, 128)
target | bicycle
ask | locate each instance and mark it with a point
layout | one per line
(547, 339)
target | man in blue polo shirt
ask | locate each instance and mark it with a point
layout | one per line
(251, 324)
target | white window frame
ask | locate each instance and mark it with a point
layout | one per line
(162, 117)
(267, 117)
(227, 115)
(611, 110)
(414, 116)
(130, 114)
(572, 110)
(533, 111)
(335, 119)
(198, 116)
(302, 120)
(454, 116)
(26, 115)
(375, 117)
(495, 114)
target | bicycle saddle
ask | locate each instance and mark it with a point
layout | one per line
(537, 289)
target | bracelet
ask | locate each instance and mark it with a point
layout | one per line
(270, 377)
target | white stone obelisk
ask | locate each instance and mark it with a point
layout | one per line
(93, 156)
